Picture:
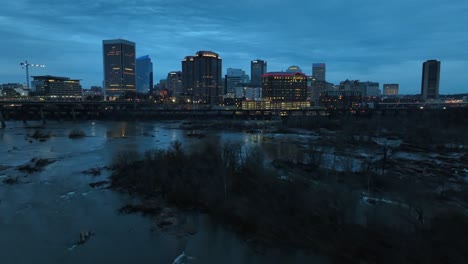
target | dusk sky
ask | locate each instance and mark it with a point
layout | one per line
(382, 41)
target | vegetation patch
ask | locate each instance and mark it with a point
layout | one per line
(35, 165)
(76, 133)
(11, 180)
(98, 184)
(40, 135)
(326, 214)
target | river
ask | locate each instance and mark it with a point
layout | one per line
(42, 216)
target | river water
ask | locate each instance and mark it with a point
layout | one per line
(42, 216)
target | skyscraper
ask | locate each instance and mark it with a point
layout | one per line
(318, 72)
(430, 79)
(187, 75)
(232, 79)
(257, 69)
(144, 73)
(174, 83)
(201, 77)
(119, 67)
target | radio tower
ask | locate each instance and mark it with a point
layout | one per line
(26, 65)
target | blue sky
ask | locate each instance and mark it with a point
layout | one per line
(383, 41)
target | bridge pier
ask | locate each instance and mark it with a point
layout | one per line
(73, 114)
(2, 120)
(42, 116)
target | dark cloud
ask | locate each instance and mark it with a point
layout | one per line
(362, 39)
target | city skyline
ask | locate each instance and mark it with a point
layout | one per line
(375, 47)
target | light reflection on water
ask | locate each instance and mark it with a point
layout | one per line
(42, 217)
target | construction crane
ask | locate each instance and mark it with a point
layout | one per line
(26, 65)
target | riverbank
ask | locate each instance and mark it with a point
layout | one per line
(322, 210)
(44, 213)
(378, 189)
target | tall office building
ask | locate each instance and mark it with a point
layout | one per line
(390, 89)
(318, 72)
(284, 86)
(430, 79)
(187, 75)
(174, 83)
(201, 77)
(257, 69)
(144, 73)
(232, 79)
(119, 67)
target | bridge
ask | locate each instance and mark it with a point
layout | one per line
(421, 105)
(128, 110)
(117, 110)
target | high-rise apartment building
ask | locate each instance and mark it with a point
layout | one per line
(144, 74)
(232, 79)
(257, 69)
(284, 86)
(390, 89)
(318, 72)
(201, 77)
(119, 67)
(430, 79)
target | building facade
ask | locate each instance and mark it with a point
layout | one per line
(12, 90)
(390, 89)
(245, 91)
(144, 74)
(430, 79)
(369, 89)
(202, 78)
(366, 89)
(232, 79)
(119, 67)
(187, 75)
(341, 100)
(284, 86)
(271, 105)
(56, 88)
(318, 72)
(257, 69)
(174, 83)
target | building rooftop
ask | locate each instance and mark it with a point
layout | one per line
(143, 57)
(50, 77)
(283, 74)
(203, 53)
(294, 69)
(118, 41)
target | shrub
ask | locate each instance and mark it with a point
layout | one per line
(76, 133)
